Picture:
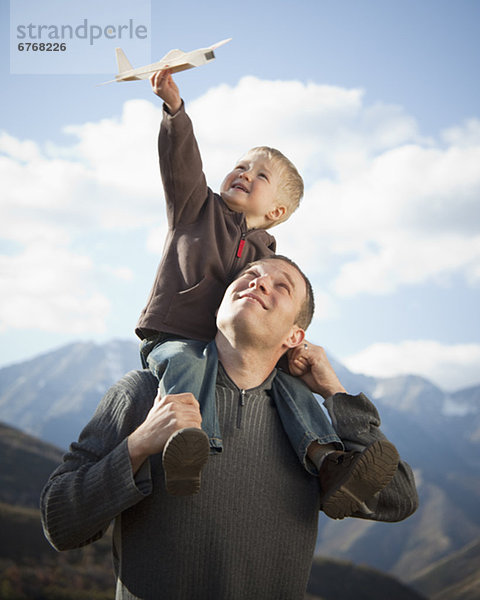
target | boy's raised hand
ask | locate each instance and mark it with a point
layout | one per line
(166, 89)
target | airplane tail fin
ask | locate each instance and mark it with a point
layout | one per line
(122, 61)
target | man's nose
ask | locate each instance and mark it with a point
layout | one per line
(261, 282)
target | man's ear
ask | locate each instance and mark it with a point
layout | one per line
(277, 213)
(296, 337)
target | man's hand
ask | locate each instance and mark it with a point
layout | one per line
(310, 363)
(166, 89)
(167, 415)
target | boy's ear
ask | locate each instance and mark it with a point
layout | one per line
(295, 337)
(276, 213)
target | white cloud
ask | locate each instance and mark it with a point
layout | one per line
(55, 196)
(404, 217)
(449, 366)
(156, 239)
(121, 273)
(404, 259)
(316, 126)
(20, 150)
(121, 153)
(463, 136)
(47, 289)
(107, 178)
(325, 306)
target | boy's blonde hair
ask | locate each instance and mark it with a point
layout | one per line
(291, 182)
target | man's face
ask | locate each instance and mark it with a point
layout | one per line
(263, 303)
(252, 188)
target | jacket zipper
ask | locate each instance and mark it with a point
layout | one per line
(241, 404)
(238, 254)
(241, 244)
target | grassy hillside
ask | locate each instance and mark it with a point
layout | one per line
(25, 465)
(30, 569)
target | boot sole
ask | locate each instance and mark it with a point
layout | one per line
(372, 471)
(183, 459)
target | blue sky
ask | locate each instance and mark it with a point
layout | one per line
(376, 102)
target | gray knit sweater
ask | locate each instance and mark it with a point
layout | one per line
(248, 535)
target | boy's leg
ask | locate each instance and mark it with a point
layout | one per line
(347, 479)
(187, 366)
(183, 365)
(350, 480)
(307, 426)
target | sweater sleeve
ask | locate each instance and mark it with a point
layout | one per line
(357, 422)
(95, 482)
(184, 182)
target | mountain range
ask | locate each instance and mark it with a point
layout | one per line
(54, 395)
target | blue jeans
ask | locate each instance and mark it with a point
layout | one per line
(183, 365)
(302, 417)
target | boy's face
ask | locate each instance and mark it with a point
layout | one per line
(253, 188)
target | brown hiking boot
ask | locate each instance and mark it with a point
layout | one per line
(348, 479)
(183, 458)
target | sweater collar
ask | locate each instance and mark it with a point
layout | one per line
(224, 380)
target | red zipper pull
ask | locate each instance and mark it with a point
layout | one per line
(240, 248)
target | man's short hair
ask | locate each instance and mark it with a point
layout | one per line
(305, 314)
(291, 182)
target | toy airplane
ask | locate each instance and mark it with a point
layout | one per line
(175, 60)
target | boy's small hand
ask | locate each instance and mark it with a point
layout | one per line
(166, 89)
(310, 363)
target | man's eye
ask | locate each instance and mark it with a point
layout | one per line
(263, 175)
(285, 287)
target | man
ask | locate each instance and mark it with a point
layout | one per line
(250, 533)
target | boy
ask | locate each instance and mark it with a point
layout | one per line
(211, 237)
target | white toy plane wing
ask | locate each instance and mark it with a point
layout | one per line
(175, 60)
